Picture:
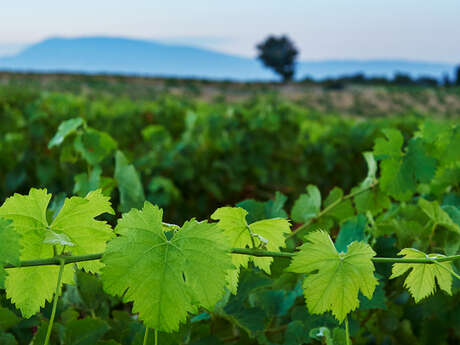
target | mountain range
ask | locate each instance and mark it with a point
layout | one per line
(140, 57)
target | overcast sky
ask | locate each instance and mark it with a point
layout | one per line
(322, 29)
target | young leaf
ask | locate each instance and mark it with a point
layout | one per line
(30, 287)
(307, 206)
(421, 278)
(129, 184)
(268, 232)
(339, 278)
(438, 215)
(166, 278)
(65, 129)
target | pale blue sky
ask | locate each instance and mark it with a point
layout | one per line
(322, 29)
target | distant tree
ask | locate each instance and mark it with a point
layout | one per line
(457, 76)
(279, 54)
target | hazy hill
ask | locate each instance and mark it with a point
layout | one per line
(129, 56)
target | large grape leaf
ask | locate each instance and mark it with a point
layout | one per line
(339, 277)
(9, 247)
(166, 278)
(269, 233)
(421, 279)
(30, 287)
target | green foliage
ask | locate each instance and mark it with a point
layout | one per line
(267, 233)
(74, 230)
(166, 278)
(339, 277)
(65, 129)
(9, 247)
(191, 157)
(421, 279)
(129, 184)
(307, 206)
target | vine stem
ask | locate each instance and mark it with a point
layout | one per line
(156, 337)
(347, 332)
(330, 207)
(55, 300)
(242, 251)
(146, 336)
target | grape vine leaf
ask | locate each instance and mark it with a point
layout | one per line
(9, 247)
(440, 217)
(342, 210)
(129, 184)
(339, 277)
(307, 206)
(269, 233)
(30, 287)
(352, 230)
(8, 319)
(64, 130)
(94, 146)
(371, 171)
(421, 279)
(400, 171)
(166, 278)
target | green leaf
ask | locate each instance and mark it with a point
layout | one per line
(30, 287)
(90, 290)
(389, 147)
(258, 210)
(85, 331)
(378, 300)
(65, 129)
(9, 247)
(400, 171)
(85, 183)
(166, 278)
(371, 171)
(8, 319)
(296, 333)
(59, 239)
(339, 277)
(269, 233)
(421, 166)
(129, 184)
(434, 211)
(7, 339)
(77, 221)
(307, 206)
(374, 200)
(94, 145)
(350, 231)
(343, 209)
(421, 279)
